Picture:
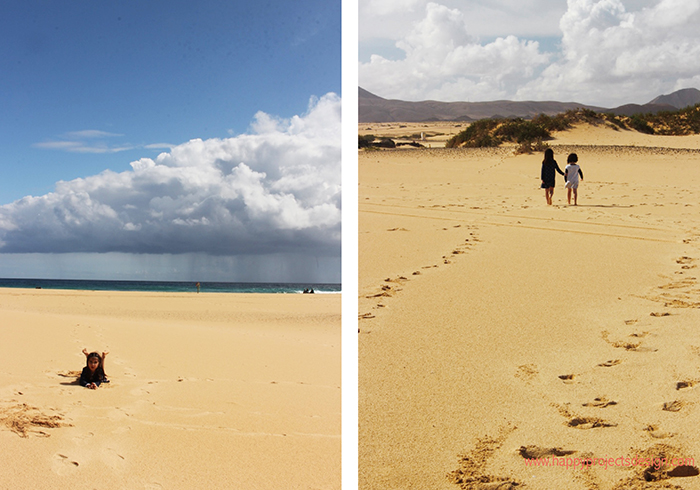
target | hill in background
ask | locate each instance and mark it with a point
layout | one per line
(373, 108)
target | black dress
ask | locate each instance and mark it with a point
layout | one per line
(548, 173)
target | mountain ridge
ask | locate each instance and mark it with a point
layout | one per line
(376, 109)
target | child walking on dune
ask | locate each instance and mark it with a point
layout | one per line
(571, 174)
(549, 167)
(94, 372)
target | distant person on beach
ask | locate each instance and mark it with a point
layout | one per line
(548, 174)
(571, 174)
(94, 372)
(198, 286)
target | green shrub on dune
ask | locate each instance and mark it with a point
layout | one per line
(494, 132)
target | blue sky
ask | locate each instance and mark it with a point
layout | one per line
(87, 88)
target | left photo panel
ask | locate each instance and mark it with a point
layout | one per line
(170, 244)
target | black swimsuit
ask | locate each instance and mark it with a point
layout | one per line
(86, 377)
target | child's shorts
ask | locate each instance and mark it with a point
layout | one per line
(572, 185)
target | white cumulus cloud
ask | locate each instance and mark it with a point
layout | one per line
(444, 62)
(612, 55)
(275, 190)
(608, 52)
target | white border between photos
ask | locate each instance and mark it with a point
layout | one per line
(349, 91)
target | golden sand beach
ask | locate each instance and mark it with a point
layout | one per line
(495, 330)
(207, 390)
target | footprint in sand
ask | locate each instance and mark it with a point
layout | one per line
(63, 465)
(527, 372)
(568, 378)
(654, 432)
(684, 283)
(383, 294)
(471, 473)
(682, 385)
(579, 422)
(118, 414)
(600, 402)
(537, 452)
(684, 471)
(621, 344)
(588, 423)
(112, 458)
(674, 406)
(139, 392)
(645, 477)
(610, 363)
(83, 439)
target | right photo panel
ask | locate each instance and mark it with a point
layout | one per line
(529, 237)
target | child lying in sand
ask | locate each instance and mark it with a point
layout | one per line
(94, 372)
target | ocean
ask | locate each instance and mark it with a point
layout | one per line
(167, 286)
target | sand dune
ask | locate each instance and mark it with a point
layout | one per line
(206, 391)
(494, 329)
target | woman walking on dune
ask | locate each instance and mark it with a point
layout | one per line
(548, 174)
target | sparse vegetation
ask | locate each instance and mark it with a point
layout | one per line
(681, 122)
(494, 132)
(638, 123)
(530, 147)
(531, 135)
(477, 135)
(370, 141)
(365, 140)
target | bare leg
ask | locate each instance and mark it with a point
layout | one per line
(548, 193)
(104, 355)
(575, 197)
(568, 195)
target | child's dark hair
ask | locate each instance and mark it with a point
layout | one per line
(548, 155)
(100, 370)
(572, 158)
(94, 354)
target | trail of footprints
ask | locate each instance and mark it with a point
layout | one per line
(391, 286)
(472, 474)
